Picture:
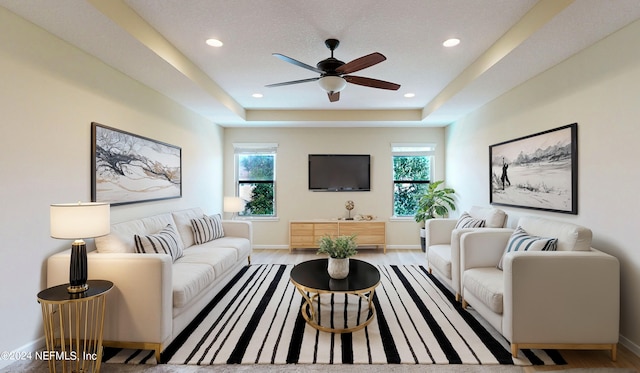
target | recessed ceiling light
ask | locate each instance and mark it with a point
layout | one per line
(451, 42)
(409, 95)
(214, 43)
(257, 95)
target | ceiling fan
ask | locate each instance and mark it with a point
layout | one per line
(333, 72)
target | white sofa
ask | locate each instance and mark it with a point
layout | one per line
(155, 298)
(564, 299)
(442, 243)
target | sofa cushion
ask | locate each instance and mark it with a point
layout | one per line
(220, 259)
(183, 223)
(121, 238)
(207, 228)
(571, 237)
(439, 257)
(240, 244)
(521, 241)
(467, 221)
(487, 284)
(189, 279)
(493, 217)
(115, 242)
(166, 241)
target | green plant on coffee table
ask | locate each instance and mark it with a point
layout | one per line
(340, 247)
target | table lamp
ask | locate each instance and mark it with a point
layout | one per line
(75, 221)
(234, 205)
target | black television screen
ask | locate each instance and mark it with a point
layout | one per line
(339, 172)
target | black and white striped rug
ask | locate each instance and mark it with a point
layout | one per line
(256, 320)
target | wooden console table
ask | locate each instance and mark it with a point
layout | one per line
(305, 234)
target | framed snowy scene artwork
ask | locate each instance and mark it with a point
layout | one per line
(127, 168)
(538, 171)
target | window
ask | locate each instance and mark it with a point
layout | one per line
(255, 178)
(412, 172)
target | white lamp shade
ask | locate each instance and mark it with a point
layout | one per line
(332, 83)
(80, 220)
(233, 204)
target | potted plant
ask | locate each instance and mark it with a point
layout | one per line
(435, 202)
(339, 249)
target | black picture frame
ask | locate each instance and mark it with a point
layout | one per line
(127, 168)
(541, 171)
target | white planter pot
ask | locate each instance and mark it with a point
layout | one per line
(338, 268)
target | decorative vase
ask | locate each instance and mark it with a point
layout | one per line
(338, 268)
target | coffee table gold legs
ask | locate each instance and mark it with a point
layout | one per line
(307, 305)
(310, 314)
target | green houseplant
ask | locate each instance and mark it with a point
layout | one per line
(435, 202)
(339, 249)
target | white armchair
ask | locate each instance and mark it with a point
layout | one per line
(442, 243)
(564, 299)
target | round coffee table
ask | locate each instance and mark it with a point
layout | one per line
(311, 279)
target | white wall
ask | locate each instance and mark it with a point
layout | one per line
(599, 89)
(49, 95)
(296, 202)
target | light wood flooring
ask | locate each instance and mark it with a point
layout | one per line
(575, 359)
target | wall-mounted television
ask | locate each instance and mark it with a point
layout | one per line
(339, 172)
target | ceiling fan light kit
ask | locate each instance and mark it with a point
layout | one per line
(333, 72)
(332, 83)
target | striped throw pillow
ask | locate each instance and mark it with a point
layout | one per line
(521, 241)
(167, 241)
(466, 221)
(207, 228)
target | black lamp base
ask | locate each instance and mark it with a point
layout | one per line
(78, 268)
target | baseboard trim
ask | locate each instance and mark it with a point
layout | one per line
(286, 247)
(271, 247)
(403, 247)
(626, 342)
(29, 348)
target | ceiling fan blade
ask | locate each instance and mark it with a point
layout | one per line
(292, 82)
(373, 83)
(361, 63)
(297, 63)
(333, 97)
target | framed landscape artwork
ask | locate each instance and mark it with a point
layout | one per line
(538, 171)
(127, 168)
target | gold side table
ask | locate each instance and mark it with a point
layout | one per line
(73, 326)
